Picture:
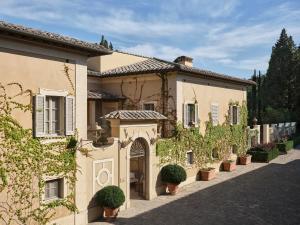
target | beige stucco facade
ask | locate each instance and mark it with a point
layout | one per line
(182, 89)
(40, 68)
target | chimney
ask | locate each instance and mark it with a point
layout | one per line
(184, 60)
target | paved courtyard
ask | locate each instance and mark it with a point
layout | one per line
(257, 194)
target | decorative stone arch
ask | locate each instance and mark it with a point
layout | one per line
(140, 145)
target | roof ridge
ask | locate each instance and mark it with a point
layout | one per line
(133, 54)
(51, 36)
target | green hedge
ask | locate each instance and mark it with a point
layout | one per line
(285, 146)
(296, 140)
(264, 153)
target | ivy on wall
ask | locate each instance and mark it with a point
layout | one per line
(26, 162)
(215, 145)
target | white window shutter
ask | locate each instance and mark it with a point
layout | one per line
(231, 115)
(196, 115)
(185, 115)
(39, 116)
(215, 114)
(69, 115)
(238, 112)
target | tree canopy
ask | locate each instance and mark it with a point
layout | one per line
(276, 97)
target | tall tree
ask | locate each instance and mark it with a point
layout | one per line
(102, 40)
(111, 47)
(280, 78)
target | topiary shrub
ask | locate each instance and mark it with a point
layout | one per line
(110, 197)
(173, 174)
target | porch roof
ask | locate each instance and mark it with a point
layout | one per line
(135, 115)
(101, 95)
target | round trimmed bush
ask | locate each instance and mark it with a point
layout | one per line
(110, 197)
(173, 174)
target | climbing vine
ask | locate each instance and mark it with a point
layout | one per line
(27, 162)
(215, 145)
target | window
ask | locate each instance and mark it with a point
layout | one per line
(234, 114)
(149, 106)
(190, 157)
(54, 189)
(215, 114)
(214, 153)
(54, 115)
(190, 115)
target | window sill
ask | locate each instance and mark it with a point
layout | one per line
(49, 200)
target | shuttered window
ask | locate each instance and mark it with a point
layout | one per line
(54, 115)
(190, 115)
(234, 114)
(215, 114)
(54, 189)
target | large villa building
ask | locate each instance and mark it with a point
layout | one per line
(130, 99)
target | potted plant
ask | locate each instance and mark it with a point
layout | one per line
(207, 174)
(172, 175)
(245, 159)
(229, 165)
(110, 198)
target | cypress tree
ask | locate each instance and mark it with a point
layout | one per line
(279, 83)
(102, 40)
(111, 46)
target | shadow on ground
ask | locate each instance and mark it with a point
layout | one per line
(269, 195)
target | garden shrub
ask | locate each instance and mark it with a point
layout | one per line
(264, 152)
(173, 174)
(110, 197)
(296, 140)
(285, 145)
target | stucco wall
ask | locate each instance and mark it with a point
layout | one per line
(38, 67)
(207, 92)
(107, 62)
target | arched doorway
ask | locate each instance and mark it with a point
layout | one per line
(138, 169)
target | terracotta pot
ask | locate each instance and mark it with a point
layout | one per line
(208, 174)
(110, 213)
(172, 188)
(229, 166)
(245, 160)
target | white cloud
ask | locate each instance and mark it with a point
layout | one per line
(207, 30)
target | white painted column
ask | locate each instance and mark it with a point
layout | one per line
(266, 134)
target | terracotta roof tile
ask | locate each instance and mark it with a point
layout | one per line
(135, 115)
(92, 49)
(155, 65)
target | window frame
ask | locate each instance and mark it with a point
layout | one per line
(62, 131)
(61, 190)
(154, 103)
(190, 152)
(186, 114)
(60, 120)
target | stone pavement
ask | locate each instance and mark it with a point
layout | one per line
(256, 194)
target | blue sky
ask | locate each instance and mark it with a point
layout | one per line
(226, 36)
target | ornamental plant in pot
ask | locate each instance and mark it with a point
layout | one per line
(245, 159)
(172, 175)
(229, 165)
(110, 198)
(207, 174)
